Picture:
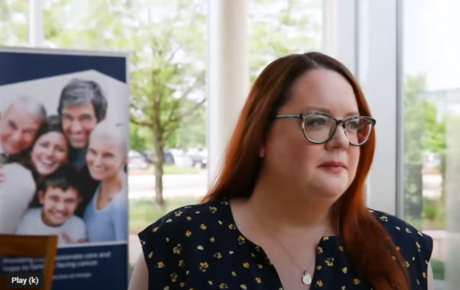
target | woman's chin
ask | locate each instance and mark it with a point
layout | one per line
(333, 190)
(45, 172)
(97, 177)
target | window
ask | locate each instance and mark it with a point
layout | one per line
(431, 99)
(279, 27)
(13, 22)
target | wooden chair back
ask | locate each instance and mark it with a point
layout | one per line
(26, 246)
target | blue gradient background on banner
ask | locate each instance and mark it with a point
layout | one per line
(110, 273)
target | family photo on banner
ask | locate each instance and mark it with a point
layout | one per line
(63, 170)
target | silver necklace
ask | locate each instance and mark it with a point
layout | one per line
(307, 277)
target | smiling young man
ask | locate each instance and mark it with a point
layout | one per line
(82, 106)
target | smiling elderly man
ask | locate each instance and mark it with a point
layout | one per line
(18, 126)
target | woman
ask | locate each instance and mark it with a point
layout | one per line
(27, 169)
(105, 216)
(288, 209)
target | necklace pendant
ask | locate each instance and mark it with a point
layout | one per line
(306, 278)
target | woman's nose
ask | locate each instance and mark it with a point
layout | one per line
(340, 138)
(49, 152)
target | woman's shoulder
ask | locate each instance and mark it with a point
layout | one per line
(407, 238)
(16, 168)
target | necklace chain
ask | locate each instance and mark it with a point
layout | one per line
(307, 277)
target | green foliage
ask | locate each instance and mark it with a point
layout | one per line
(13, 22)
(193, 133)
(413, 147)
(429, 209)
(140, 138)
(423, 131)
(438, 269)
(279, 27)
(414, 119)
(167, 52)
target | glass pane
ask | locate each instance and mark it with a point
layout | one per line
(431, 101)
(13, 22)
(279, 27)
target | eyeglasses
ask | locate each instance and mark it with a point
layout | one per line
(319, 128)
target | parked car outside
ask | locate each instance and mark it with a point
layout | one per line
(199, 158)
(149, 154)
(136, 160)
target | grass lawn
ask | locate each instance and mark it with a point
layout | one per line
(143, 212)
(438, 269)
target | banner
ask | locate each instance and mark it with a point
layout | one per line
(64, 131)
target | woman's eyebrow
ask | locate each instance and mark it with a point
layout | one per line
(327, 111)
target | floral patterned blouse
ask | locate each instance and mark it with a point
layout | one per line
(199, 247)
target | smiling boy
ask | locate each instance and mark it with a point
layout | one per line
(59, 198)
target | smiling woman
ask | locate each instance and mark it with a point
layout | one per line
(106, 214)
(50, 149)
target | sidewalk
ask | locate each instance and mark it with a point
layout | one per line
(170, 193)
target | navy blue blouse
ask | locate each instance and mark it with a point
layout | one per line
(199, 247)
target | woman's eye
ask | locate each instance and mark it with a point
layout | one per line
(316, 122)
(353, 125)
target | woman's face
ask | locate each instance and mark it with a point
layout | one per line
(104, 158)
(288, 155)
(49, 152)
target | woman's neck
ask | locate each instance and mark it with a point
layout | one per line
(287, 208)
(111, 186)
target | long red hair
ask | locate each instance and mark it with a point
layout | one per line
(368, 246)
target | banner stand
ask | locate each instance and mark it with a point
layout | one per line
(64, 131)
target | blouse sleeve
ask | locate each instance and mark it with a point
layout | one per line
(161, 255)
(415, 247)
(426, 249)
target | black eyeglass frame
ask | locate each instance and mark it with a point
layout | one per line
(337, 123)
